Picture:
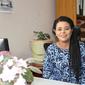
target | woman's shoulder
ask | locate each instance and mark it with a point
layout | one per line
(51, 47)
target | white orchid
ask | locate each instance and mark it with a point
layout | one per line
(16, 70)
(1, 58)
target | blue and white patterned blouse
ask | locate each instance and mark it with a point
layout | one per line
(56, 64)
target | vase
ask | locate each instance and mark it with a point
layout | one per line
(38, 50)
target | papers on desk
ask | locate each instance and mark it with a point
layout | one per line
(42, 81)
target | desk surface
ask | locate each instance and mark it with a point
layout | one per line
(42, 81)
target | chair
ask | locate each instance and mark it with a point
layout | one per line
(4, 45)
(46, 45)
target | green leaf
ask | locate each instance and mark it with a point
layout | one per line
(28, 76)
(1, 69)
(42, 36)
(35, 69)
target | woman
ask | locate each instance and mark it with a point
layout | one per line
(65, 59)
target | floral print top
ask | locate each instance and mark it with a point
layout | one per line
(56, 64)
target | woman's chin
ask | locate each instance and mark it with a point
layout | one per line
(64, 40)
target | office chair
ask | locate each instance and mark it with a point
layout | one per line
(4, 45)
(46, 45)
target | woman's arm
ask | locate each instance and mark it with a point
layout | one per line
(82, 76)
(48, 64)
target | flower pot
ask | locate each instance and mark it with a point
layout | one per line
(38, 50)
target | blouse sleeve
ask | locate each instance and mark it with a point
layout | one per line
(82, 77)
(48, 65)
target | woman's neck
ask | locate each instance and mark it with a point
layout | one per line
(64, 45)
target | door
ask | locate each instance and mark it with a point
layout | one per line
(66, 8)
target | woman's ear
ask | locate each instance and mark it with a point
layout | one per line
(54, 31)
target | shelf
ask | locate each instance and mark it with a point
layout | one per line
(80, 17)
(81, 24)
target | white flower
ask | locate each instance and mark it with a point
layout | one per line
(10, 62)
(6, 74)
(1, 58)
(22, 63)
(12, 69)
(20, 81)
(15, 58)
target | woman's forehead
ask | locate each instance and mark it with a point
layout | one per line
(62, 23)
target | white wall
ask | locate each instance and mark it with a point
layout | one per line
(27, 16)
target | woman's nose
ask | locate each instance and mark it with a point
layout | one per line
(63, 30)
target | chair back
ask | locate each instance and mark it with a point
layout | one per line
(46, 45)
(4, 45)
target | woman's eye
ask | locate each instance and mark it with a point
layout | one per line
(59, 29)
(67, 28)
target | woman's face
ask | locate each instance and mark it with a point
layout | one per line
(63, 31)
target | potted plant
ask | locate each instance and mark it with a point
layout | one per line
(38, 50)
(16, 71)
(41, 35)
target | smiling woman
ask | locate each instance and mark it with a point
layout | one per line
(64, 59)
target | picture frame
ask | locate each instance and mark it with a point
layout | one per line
(6, 5)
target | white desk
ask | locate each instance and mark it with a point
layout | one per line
(41, 81)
